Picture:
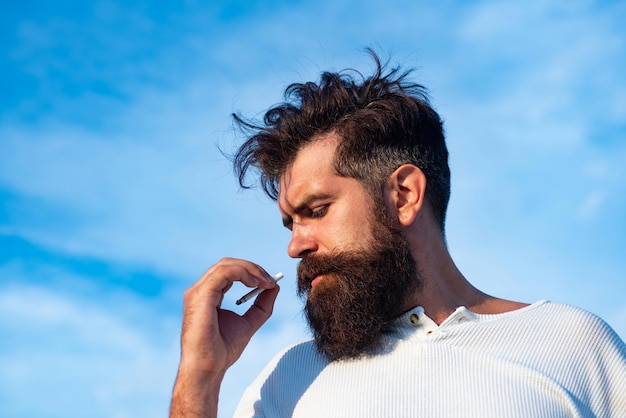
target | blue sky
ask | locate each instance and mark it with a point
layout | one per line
(114, 196)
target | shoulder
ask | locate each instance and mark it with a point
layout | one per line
(549, 313)
(594, 357)
(557, 314)
(574, 326)
(548, 324)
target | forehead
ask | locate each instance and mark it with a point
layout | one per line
(312, 171)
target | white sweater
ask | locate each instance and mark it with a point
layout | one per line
(544, 360)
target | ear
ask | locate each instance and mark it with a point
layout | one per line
(406, 191)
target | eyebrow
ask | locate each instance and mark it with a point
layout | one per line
(304, 204)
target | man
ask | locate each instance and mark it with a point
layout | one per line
(359, 168)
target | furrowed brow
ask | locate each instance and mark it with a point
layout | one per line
(303, 205)
(308, 201)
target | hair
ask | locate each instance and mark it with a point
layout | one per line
(382, 122)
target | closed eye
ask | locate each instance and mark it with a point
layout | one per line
(319, 212)
(288, 222)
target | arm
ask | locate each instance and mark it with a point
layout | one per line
(212, 338)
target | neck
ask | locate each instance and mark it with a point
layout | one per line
(444, 287)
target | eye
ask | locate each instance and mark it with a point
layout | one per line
(319, 212)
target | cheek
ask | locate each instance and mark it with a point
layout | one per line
(350, 231)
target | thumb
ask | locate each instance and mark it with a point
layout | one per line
(262, 308)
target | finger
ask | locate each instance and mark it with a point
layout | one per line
(262, 308)
(228, 270)
(208, 292)
(254, 268)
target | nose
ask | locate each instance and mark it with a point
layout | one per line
(302, 243)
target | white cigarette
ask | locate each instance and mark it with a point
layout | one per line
(256, 291)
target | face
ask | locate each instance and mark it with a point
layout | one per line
(325, 212)
(357, 271)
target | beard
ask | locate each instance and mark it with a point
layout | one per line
(361, 293)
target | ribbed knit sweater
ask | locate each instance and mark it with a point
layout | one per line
(545, 360)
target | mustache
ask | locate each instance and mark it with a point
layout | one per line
(314, 265)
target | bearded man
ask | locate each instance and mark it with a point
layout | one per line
(359, 169)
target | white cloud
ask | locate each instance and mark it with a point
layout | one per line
(157, 193)
(591, 204)
(64, 357)
(522, 90)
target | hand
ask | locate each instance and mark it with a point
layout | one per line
(213, 338)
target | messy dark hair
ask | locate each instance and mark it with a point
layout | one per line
(382, 123)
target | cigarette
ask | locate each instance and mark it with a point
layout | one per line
(256, 291)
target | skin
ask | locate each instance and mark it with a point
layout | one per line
(324, 212)
(212, 338)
